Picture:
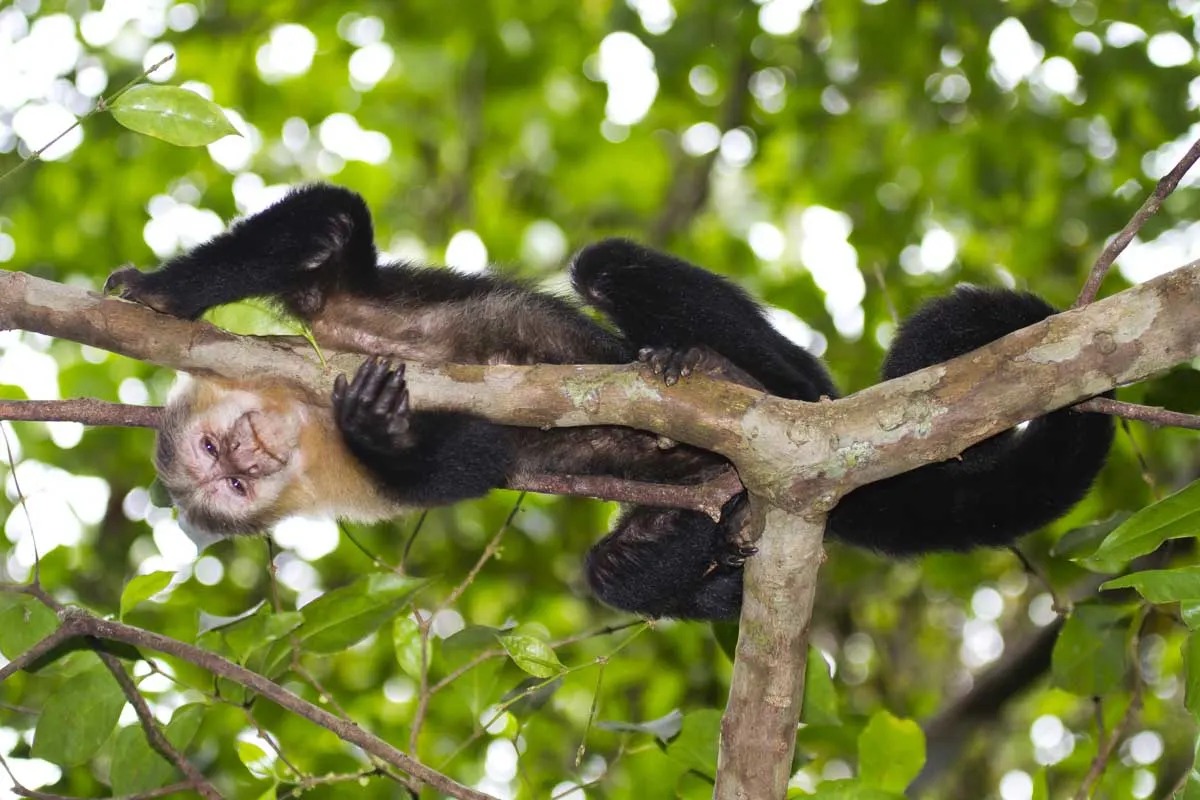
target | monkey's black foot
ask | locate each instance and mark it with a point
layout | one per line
(672, 363)
(373, 408)
(675, 363)
(734, 547)
(129, 283)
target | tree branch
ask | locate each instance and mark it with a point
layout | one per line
(77, 622)
(758, 730)
(1162, 191)
(83, 409)
(781, 447)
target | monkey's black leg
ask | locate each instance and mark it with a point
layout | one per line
(422, 458)
(672, 563)
(318, 237)
(660, 301)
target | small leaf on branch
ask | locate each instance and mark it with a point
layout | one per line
(175, 115)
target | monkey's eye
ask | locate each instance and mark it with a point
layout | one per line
(237, 485)
(208, 446)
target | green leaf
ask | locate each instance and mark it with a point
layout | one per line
(1190, 611)
(852, 790)
(664, 728)
(1089, 655)
(406, 640)
(696, 745)
(727, 636)
(891, 751)
(142, 588)
(245, 635)
(24, 621)
(1191, 663)
(532, 655)
(255, 759)
(1161, 585)
(137, 767)
(1173, 517)
(340, 618)
(175, 115)
(159, 495)
(78, 718)
(820, 696)
(1081, 542)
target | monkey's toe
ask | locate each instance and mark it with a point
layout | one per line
(671, 363)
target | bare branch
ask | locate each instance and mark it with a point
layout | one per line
(85, 410)
(1151, 414)
(780, 447)
(1108, 256)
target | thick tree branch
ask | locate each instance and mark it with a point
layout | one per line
(758, 731)
(782, 448)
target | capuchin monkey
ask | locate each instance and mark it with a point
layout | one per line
(238, 458)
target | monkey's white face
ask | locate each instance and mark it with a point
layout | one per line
(226, 458)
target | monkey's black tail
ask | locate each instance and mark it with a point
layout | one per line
(999, 489)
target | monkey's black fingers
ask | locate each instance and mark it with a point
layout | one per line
(360, 377)
(377, 373)
(393, 385)
(339, 389)
(671, 363)
(738, 555)
(120, 279)
(403, 407)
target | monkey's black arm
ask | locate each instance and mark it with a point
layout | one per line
(419, 458)
(317, 238)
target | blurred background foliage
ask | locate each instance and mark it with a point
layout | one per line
(838, 159)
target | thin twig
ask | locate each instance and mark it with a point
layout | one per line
(883, 290)
(426, 623)
(84, 409)
(1108, 744)
(1037, 574)
(1153, 203)
(1151, 414)
(102, 104)
(154, 732)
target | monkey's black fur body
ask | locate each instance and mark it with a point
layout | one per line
(314, 253)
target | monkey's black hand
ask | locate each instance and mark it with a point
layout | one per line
(129, 283)
(374, 409)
